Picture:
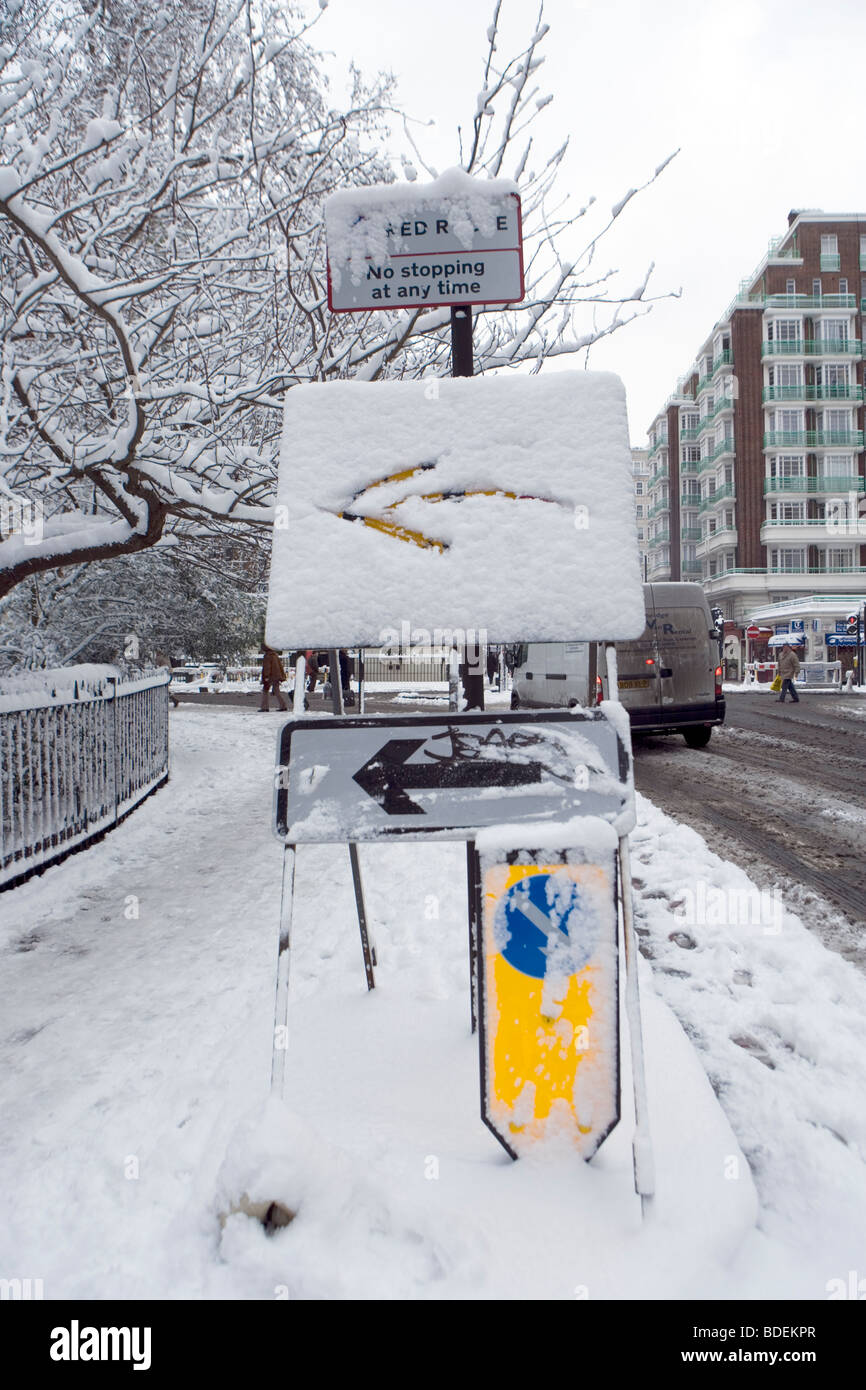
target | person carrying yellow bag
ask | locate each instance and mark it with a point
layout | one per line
(776, 683)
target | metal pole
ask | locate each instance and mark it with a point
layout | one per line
(300, 681)
(367, 947)
(473, 890)
(281, 1006)
(461, 340)
(642, 1153)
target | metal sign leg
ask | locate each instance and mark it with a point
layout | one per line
(644, 1168)
(281, 1007)
(473, 888)
(367, 947)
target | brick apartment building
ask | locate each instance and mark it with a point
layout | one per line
(756, 461)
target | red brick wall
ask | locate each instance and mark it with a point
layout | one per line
(746, 339)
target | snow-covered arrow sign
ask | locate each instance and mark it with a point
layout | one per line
(387, 777)
(363, 779)
(495, 503)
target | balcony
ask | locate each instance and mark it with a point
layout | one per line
(810, 301)
(723, 535)
(660, 538)
(824, 484)
(693, 467)
(690, 435)
(724, 359)
(663, 505)
(813, 347)
(661, 472)
(713, 498)
(844, 392)
(814, 439)
(690, 533)
(831, 261)
(726, 447)
(808, 530)
(662, 444)
(691, 567)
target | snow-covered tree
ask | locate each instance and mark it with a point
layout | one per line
(162, 266)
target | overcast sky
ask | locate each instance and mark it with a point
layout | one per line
(764, 98)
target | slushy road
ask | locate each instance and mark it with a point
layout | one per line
(781, 791)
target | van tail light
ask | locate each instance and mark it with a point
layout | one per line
(599, 690)
(718, 682)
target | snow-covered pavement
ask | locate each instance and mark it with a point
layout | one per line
(136, 1038)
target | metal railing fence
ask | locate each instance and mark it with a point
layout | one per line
(74, 759)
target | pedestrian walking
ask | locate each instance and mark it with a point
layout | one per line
(789, 667)
(273, 672)
(312, 660)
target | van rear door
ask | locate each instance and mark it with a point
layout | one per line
(687, 653)
(638, 665)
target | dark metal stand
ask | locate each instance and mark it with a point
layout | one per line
(461, 340)
(473, 889)
(367, 947)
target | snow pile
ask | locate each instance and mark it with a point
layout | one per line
(493, 504)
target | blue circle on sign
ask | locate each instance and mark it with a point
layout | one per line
(542, 916)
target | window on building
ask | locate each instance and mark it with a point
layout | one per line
(829, 244)
(690, 422)
(787, 511)
(834, 330)
(638, 487)
(784, 330)
(639, 511)
(836, 558)
(691, 453)
(640, 533)
(729, 519)
(786, 374)
(836, 422)
(790, 287)
(836, 466)
(788, 466)
(788, 559)
(789, 421)
(832, 377)
(816, 289)
(843, 285)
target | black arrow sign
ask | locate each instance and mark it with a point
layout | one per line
(387, 775)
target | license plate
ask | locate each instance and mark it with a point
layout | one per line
(633, 685)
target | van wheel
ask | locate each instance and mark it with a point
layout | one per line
(698, 737)
(515, 700)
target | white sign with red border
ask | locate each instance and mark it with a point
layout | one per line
(457, 240)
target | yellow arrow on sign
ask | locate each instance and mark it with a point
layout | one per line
(390, 527)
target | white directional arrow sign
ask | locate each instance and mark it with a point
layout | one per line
(362, 779)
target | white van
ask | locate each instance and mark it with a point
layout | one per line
(551, 674)
(670, 678)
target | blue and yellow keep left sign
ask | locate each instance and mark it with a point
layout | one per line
(548, 1003)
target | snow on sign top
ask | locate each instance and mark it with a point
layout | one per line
(456, 240)
(501, 504)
